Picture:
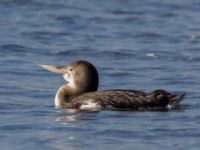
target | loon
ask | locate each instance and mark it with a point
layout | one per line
(80, 93)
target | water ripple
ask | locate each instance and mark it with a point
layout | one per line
(137, 44)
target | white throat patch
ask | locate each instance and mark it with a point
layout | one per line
(70, 80)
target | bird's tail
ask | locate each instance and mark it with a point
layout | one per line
(175, 100)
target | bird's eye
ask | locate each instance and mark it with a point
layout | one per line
(70, 69)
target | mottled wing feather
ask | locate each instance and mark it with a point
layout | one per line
(124, 99)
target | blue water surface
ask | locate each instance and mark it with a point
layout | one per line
(135, 44)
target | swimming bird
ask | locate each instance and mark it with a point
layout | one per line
(81, 92)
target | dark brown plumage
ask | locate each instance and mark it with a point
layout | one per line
(127, 100)
(80, 93)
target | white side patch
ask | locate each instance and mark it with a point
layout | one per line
(90, 105)
(169, 107)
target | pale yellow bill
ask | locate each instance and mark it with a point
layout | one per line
(54, 69)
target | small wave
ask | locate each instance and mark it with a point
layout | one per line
(92, 52)
(14, 48)
(150, 35)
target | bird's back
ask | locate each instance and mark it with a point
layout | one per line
(125, 100)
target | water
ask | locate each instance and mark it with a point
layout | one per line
(143, 45)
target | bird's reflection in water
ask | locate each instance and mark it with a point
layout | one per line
(69, 118)
(76, 115)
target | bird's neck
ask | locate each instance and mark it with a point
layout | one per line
(65, 94)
